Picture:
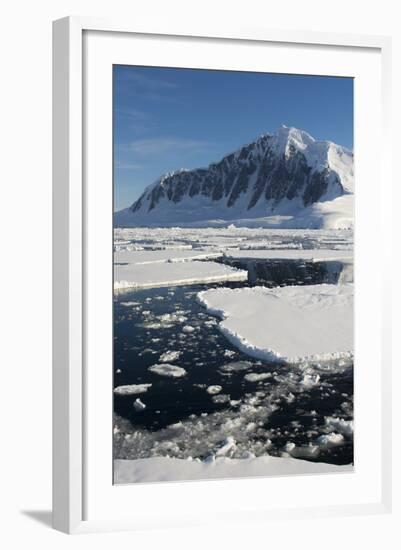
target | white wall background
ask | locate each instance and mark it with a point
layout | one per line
(25, 122)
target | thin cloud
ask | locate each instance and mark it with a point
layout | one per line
(127, 166)
(132, 114)
(131, 77)
(135, 120)
(166, 145)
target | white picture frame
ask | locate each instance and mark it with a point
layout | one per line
(71, 415)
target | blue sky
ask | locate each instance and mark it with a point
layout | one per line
(166, 119)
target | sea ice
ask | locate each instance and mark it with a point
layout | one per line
(132, 389)
(212, 390)
(165, 369)
(168, 356)
(257, 377)
(315, 255)
(235, 366)
(138, 405)
(332, 439)
(345, 427)
(291, 324)
(143, 257)
(184, 273)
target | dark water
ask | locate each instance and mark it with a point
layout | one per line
(273, 273)
(288, 409)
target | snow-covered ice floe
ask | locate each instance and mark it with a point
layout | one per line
(139, 257)
(171, 371)
(168, 356)
(291, 324)
(314, 255)
(177, 273)
(132, 389)
(174, 469)
(212, 390)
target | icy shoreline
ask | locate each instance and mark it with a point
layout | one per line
(159, 469)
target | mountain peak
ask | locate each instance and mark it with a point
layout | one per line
(280, 173)
(286, 136)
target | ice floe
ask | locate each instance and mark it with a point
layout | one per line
(330, 440)
(144, 257)
(168, 356)
(166, 369)
(257, 377)
(345, 427)
(212, 390)
(138, 405)
(131, 276)
(290, 324)
(132, 389)
(314, 255)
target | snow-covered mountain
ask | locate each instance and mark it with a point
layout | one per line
(284, 179)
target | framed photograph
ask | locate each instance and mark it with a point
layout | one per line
(220, 325)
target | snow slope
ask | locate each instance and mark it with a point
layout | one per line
(284, 179)
(291, 324)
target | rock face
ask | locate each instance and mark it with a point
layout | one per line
(279, 178)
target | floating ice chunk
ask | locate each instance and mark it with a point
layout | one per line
(132, 389)
(129, 304)
(306, 451)
(227, 447)
(257, 377)
(165, 369)
(303, 451)
(118, 371)
(138, 405)
(289, 446)
(188, 328)
(309, 380)
(213, 390)
(345, 427)
(168, 356)
(221, 398)
(229, 353)
(332, 439)
(236, 366)
(172, 318)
